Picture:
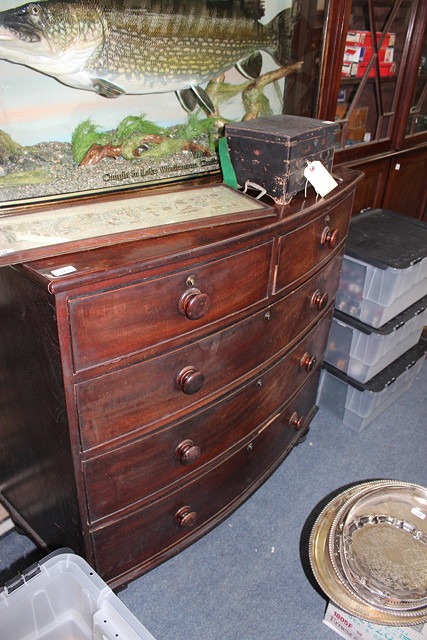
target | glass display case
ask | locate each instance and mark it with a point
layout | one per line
(378, 92)
(417, 121)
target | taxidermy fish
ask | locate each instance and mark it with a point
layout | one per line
(116, 48)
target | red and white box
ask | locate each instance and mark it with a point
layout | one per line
(364, 54)
(354, 54)
(364, 38)
(387, 70)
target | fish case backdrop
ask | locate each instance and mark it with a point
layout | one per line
(102, 95)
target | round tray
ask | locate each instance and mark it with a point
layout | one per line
(328, 580)
(383, 544)
(355, 582)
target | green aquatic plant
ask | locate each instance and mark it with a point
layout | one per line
(87, 134)
(84, 136)
(137, 124)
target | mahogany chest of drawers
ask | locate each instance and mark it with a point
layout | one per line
(148, 393)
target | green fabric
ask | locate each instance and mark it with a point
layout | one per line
(226, 165)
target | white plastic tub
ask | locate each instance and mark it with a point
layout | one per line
(62, 598)
(362, 351)
(384, 270)
(375, 295)
(357, 404)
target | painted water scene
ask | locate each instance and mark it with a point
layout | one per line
(100, 95)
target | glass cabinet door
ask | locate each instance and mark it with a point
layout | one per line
(417, 121)
(373, 70)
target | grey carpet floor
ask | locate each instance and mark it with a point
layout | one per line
(249, 578)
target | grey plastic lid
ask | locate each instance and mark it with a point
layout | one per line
(384, 239)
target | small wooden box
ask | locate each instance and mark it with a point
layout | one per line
(272, 152)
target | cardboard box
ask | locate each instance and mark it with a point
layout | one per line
(387, 70)
(349, 69)
(357, 69)
(353, 628)
(365, 38)
(364, 54)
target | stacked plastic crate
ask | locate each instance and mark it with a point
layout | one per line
(375, 347)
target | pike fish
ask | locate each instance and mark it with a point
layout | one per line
(116, 47)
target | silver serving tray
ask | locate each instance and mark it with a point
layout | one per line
(384, 543)
(341, 594)
(348, 568)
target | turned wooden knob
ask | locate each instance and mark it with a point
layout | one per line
(186, 518)
(308, 362)
(194, 304)
(296, 421)
(187, 452)
(319, 299)
(190, 380)
(329, 237)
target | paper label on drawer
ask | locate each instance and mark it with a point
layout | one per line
(319, 177)
(63, 271)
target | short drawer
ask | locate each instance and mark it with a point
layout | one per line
(126, 400)
(133, 472)
(111, 324)
(144, 538)
(302, 250)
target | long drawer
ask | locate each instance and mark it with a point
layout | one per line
(131, 473)
(121, 402)
(156, 531)
(108, 325)
(310, 245)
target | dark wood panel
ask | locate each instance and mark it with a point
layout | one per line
(113, 323)
(36, 469)
(370, 191)
(406, 191)
(137, 470)
(140, 395)
(156, 532)
(310, 245)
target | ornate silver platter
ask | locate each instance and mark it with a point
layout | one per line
(337, 588)
(382, 546)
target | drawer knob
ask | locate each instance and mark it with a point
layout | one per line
(319, 299)
(190, 380)
(296, 421)
(329, 237)
(308, 362)
(186, 518)
(194, 304)
(187, 452)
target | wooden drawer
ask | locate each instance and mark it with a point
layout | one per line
(307, 247)
(123, 401)
(145, 538)
(108, 325)
(154, 462)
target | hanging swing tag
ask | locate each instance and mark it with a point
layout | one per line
(319, 177)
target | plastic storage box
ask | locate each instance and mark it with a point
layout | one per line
(362, 351)
(384, 269)
(62, 598)
(357, 404)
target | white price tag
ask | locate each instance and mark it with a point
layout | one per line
(63, 271)
(319, 177)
